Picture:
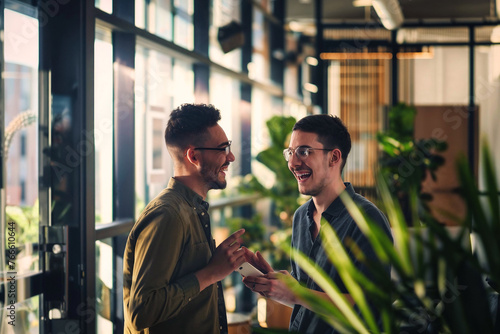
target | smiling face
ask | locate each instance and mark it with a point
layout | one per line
(214, 164)
(313, 174)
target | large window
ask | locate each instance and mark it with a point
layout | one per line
(223, 12)
(103, 126)
(171, 20)
(20, 154)
(259, 68)
(162, 83)
(21, 135)
(487, 97)
(223, 87)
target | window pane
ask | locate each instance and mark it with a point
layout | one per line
(104, 285)
(184, 32)
(104, 5)
(183, 72)
(21, 136)
(487, 97)
(155, 16)
(103, 126)
(441, 80)
(259, 67)
(222, 87)
(223, 12)
(154, 93)
(183, 23)
(27, 318)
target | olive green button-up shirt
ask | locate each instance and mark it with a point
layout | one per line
(170, 241)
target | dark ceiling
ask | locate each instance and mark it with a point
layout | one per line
(335, 11)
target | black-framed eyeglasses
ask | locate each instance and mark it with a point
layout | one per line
(226, 148)
(302, 152)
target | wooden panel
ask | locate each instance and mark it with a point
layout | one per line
(362, 91)
(448, 123)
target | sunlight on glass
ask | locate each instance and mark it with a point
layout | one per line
(105, 5)
(103, 126)
(21, 136)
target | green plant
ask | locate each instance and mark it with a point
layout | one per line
(283, 192)
(405, 162)
(440, 286)
(255, 232)
(26, 219)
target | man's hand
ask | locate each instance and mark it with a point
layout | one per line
(257, 260)
(226, 258)
(272, 286)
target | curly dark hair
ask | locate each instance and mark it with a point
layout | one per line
(188, 125)
(331, 131)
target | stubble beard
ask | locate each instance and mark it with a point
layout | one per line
(212, 181)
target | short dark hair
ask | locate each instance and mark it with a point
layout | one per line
(188, 124)
(331, 131)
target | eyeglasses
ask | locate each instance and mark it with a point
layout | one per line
(302, 152)
(226, 148)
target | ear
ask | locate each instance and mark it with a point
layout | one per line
(192, 156)
(336, 157)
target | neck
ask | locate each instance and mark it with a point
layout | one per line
(323, 200)
(192, 182)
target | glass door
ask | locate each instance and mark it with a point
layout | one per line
(20, 195)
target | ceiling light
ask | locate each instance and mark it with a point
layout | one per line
(363, 3)
(295, 26)
(311, 87)
(495, 34)
(355, 55)
(312, 61)
(389, 12)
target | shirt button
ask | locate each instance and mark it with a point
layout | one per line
(203, 213)
(220, 327)
(189, 299)
(206, 225)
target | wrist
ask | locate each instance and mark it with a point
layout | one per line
(205, 278)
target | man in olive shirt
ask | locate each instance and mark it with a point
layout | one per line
(172, 268)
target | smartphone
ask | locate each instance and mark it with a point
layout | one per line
(246, 269)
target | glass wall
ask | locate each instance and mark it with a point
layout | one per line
(183, 23)
(487, 97)
(104, 285)
(103, 126)
(223, 13)
(225, 96)
(259, 68)
(21, 136)
(20, 225)
(171, 20)
(155, 97)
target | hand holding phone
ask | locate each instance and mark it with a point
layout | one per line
(246, 269)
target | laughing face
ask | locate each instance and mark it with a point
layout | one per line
(312, 174)
(216, 162)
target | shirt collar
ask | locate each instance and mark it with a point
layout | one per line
(336, 207)
(193, 198)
